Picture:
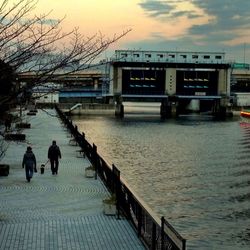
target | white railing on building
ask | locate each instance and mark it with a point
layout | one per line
(169, 57)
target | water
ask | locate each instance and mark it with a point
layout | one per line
(193, 171)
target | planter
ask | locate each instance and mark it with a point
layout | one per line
(4, 169)
(109, 206)
(80, 153)
(23, 125)
(72, 142)
(14, 137)
(90, 172)
(31, 113)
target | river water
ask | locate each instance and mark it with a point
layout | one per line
(193, 170)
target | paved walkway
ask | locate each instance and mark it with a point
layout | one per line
(56, 212)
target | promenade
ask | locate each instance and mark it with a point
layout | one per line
(61, 211)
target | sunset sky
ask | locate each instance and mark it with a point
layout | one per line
(183, 25)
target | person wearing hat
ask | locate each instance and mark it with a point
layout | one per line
(29, 162)
(54, 154)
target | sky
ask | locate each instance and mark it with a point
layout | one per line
(162, 25)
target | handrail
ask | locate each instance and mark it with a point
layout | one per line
(154, 232)
(75, 106)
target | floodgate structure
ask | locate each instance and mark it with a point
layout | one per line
(176, 79)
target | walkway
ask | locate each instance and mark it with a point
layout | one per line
(56, 212)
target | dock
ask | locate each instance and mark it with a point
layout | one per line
(61, 211)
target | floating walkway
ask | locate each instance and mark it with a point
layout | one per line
(61, 211)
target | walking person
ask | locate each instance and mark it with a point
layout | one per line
(29, 162)
(7, 124)
(54, 154)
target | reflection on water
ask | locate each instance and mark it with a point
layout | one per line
(193, 171)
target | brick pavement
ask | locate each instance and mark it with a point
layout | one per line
(56, 212)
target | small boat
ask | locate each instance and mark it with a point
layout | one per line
(245, 116)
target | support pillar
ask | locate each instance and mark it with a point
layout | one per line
(119, 108)
(219, 110)
(166, 109)
(174, 109)
(95, 81)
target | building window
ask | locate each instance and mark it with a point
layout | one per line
(206, 57)
(184, 56)
(148, 55)
(160, 55)
(124, 54)
(195, 56)
(171, 56)
(218, 57)
(136, 55)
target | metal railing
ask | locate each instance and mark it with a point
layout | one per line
(155, 233)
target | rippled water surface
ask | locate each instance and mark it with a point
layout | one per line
(193, 171)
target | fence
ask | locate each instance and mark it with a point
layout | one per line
(155, 233)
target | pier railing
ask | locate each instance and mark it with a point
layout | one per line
(156, 233)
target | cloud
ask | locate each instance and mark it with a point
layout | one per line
(169, 9)
(229, 14)
(214, 24)
(156, 8)
(225, 15)
(188, 14)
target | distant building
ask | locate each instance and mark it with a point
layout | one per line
(47, 93)
(240, 84)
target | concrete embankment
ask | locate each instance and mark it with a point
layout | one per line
(101, 109)
(83, 108)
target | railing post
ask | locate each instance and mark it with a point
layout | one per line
(75, 129)
(116, 188)
(184, 244)
(139, 221)
(94, 159)
(162, 233)
(153, 236)
(83, 143)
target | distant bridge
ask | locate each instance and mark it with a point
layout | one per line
(79, 76)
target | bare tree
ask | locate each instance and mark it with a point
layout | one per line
(39, 45)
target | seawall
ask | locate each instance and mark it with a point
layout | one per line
(85, 108)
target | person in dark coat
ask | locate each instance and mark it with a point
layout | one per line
(54, 154)
(7, 124)
(29, 162)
